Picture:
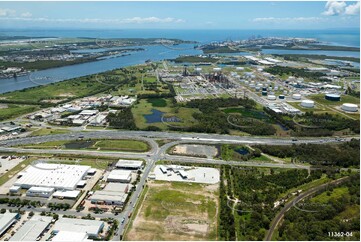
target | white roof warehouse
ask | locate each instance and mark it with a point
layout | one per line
(58, 176)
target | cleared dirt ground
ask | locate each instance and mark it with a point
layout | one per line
(176, 211)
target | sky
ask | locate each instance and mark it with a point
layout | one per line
(180, 15)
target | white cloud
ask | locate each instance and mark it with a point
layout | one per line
(140, 20)
(334, 8)
(135, 20)
(26, 15)
(353, 9)
(5, 12)
(285, 20)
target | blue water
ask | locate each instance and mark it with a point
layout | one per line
(155, 53)
(349, 37)
(154, 117)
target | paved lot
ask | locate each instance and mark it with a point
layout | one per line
(197, 150)
(195, 174)
(8, 163)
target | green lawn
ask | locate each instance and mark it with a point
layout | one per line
(116, 145)
(8, 111)
(320, 98)
(326, 196)
(40, 132)
(122, 145)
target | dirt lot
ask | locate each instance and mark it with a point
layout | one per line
(176, 211)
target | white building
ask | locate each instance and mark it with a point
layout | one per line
(124, 176)
(6, 220)
(66, 194)
(70, 236)
(108, 197)
(58, 176)
(32, 229)
(117, 187)
(40, 191)
(129, 164)
(90, 227)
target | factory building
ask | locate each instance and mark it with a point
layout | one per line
(117, 187)
(124, 176)
(108, 197)
(91, 227)
(32, 229)
(6, 220)
(129, 164)
(70, 236)
(66, 194)
(58, 176)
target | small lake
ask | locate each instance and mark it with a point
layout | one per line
(154, 117)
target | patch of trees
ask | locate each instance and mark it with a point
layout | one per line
(343, 155)
(334, 216)
(297, 72)
(353, 92)
(123, 119)
(237, 152)
(206, 105)
(256, 191)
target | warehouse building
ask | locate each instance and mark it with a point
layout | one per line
(66, 194)
(6, 220)
(70, 236)
(124, 176)
(32, 229)
(58, 176)
(129, 164)
(117, 187)
(109, 197)
(91, 227)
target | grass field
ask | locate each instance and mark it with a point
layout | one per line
(325, 197)
(40, 132)
(176, 211)
(320, 98)
(114, 145)
(144, 107)
(8, 111)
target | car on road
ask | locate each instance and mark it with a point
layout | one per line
(123, 219)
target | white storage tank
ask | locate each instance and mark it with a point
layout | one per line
(216, 69)
(296, 96)
(349, 107)
(308, 104)
(271, 97)
(238, 68)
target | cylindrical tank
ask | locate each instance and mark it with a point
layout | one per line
(238, 68)
(264, 93)
(349, 107)
(271, 97)
(307, 103)
(264, 88)
(333, 97)
(296, 96)
(281, 96)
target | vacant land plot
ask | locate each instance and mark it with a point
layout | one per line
(12, 111)
(176, 211)
(195, 150)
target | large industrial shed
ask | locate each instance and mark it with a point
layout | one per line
(6, 220)
(91, 227)
(58, 176)
(129, 164)
(32, 229)
(124, 176)
(109, 197)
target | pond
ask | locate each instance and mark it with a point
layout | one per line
(242, 151)
(154, 117)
